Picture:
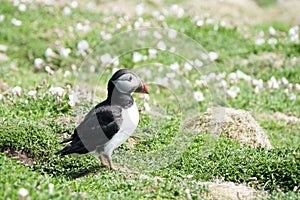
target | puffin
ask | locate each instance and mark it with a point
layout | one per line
(110, 123)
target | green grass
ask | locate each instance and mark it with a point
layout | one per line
(33, 126)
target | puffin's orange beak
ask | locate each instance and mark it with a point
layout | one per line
(142, 88)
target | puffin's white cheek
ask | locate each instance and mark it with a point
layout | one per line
(123, 86)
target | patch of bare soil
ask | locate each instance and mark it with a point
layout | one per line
(281, 116)
(232, 11)
(229, 191)
(3, 86)
(21, 155)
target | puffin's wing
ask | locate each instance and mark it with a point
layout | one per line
(98, 127)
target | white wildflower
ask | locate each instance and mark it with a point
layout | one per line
(22, 7)
(204, 56)
(293, 97)
(49, 70)
(118, 26)
(221, 76)
(64, 52)
(16, 22)
(114, 70)
(106, 59)
(139, 9)
(180, 12)
(260, 83)
(223, 83)
(213, 56)
(23, 192)
(56, 91)
(198, 96)
(294, 30)
(137, 25)
(286, 92)
(174, 66)
(200, 23)
(297, 87)
(82, 46)
(147, 107)
(143, 176)
(212, 76)
(255, 82)
(161, 45)
(137, 57)
(242, 75)
(17, 90)
(189, 176)
(105, 36)
(273, 83)
(170, 75)
(146, 97)
(223, 23)
(201, 83)
(66, 11)
(155, 13)
(261, 34)
(67, 73)
(157, 35)
(32, 93)
(272, 31)
(2, 17)
(79, 26)
(216, 27)
(49, 53)
(187, 66)
(272, 41)
(209, 21)
(3, 48)
(293, 33)
(152, 53)
(233, 91)
(198, 63)
(256, 90)
(116, 61)
(232, 77)
(1, 97)
(162, 81)
(259, 41)
(51, 188)
(172, 49)
(74, 4)
(38, 62)
(284, 81)
(172, 34)
(174, 8)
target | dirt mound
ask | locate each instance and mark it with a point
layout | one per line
(229, 190)
(21, 155)
(238, 125)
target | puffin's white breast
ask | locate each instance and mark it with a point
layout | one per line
(130, 121)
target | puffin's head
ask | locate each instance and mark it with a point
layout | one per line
(127, 82)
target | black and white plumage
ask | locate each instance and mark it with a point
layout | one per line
(110, 123)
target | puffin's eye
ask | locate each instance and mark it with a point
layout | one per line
(130, 78)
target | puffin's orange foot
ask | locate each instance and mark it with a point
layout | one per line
(102, 161)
